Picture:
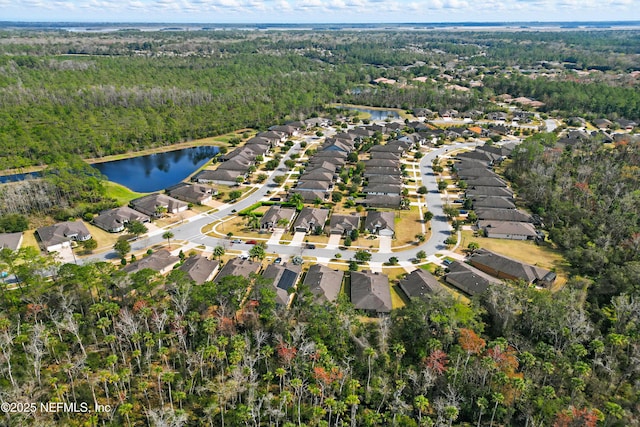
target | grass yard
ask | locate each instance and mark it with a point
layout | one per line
(526, 251)
(29, 239)
(408, 224)
(398, 297)
(104, 239)
(121, 193)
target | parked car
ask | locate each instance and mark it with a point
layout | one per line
(311, 246)
(277, 260)
(251, 242)
(236, 241)
(447, 262)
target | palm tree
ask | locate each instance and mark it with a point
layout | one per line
(218, 251)
(168, 235)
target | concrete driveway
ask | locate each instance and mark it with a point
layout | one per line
(334, 241)
(298, 238)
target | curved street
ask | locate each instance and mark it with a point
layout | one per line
(190, 230)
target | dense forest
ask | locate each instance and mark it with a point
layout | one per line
(162, 351)
(97, 94)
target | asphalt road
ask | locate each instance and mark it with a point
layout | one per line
(190, 230)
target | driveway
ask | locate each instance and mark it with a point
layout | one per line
(298, 238)
(385, 245)
(275, 237)
(334, 241)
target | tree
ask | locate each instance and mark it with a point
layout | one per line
(262, 177)
(362, 256)
(473, 246)
(280, 179)
(336, 197)
(422, 190)
(168, 235)
(442, 185)
(428, 216)
(420, 237)
(235, 195)
(393, 260)
(136, 228)
(122, 247)
(421, 255)
(89, 245)
(450, 211)
(218, 252)
(258, 251)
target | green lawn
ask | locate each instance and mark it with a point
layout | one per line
(121, 193)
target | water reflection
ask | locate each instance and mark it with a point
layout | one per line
(156, 171)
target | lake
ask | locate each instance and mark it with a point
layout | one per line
(154, 172)
(376, 114)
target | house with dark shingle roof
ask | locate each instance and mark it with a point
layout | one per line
(238, 267)
(343, 224)
(200, 269)
(479, 191)
(371, 292)
(503, 215)
(383, 201)
(115, 220)
(382, 223)
(309, 219)
(503, 267)
(223, 177)
(492, 202)
(469, 279)
(421, 284)
(324, 282)
(151, 205)
(275, 215)
(161, 261)
(56, 236)
(285, 276)
(190, 193)
(508, 230)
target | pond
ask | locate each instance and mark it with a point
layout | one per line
(376, 114)
(154, 172)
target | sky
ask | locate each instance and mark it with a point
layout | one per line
(317, 11)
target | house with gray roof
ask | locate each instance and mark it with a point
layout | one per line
(371, 292)
(309, 219)
(154, 205)
(508, 230)
(486, 181)
(421, 284)
(222, 177)
(115, 220)
(11, 241)
(237, 267)
(310, 196)
(503, 267)
(200, 269)
(197, 194)
(284, 276)
(383, 201)
(492, 202)
(514, 215)
(324, 282)
(344, 224)
(381, 179)
(161, 261)
(276, 216)
(55, 237)
(382, 223)
(469, 279)
(380, 189)
(479, 191)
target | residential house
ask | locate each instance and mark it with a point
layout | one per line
(197, 194)
(602, 123)
(380, 189)
(115, 220)
(161, 261)
(311, 219)
(200, 269)
(508, 230)
(385, 171)
(382, 179)
(156, 204)
(382, 163)
(492, 202)
(57, 236)
(385, 155)
(222, 177)
(480, 191)
(323, 282)
(387, 201)
(499, 116)
(507, 268)
(237, 267)
(486, 181)
(503, 215)
(469, 279)
(344, 224)
(421, 284)
(311, 196)
(11, 241)
(277, 217)
(275, 138)
(284, 276)
(381, 223)
(371, 292)
(288, 130)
